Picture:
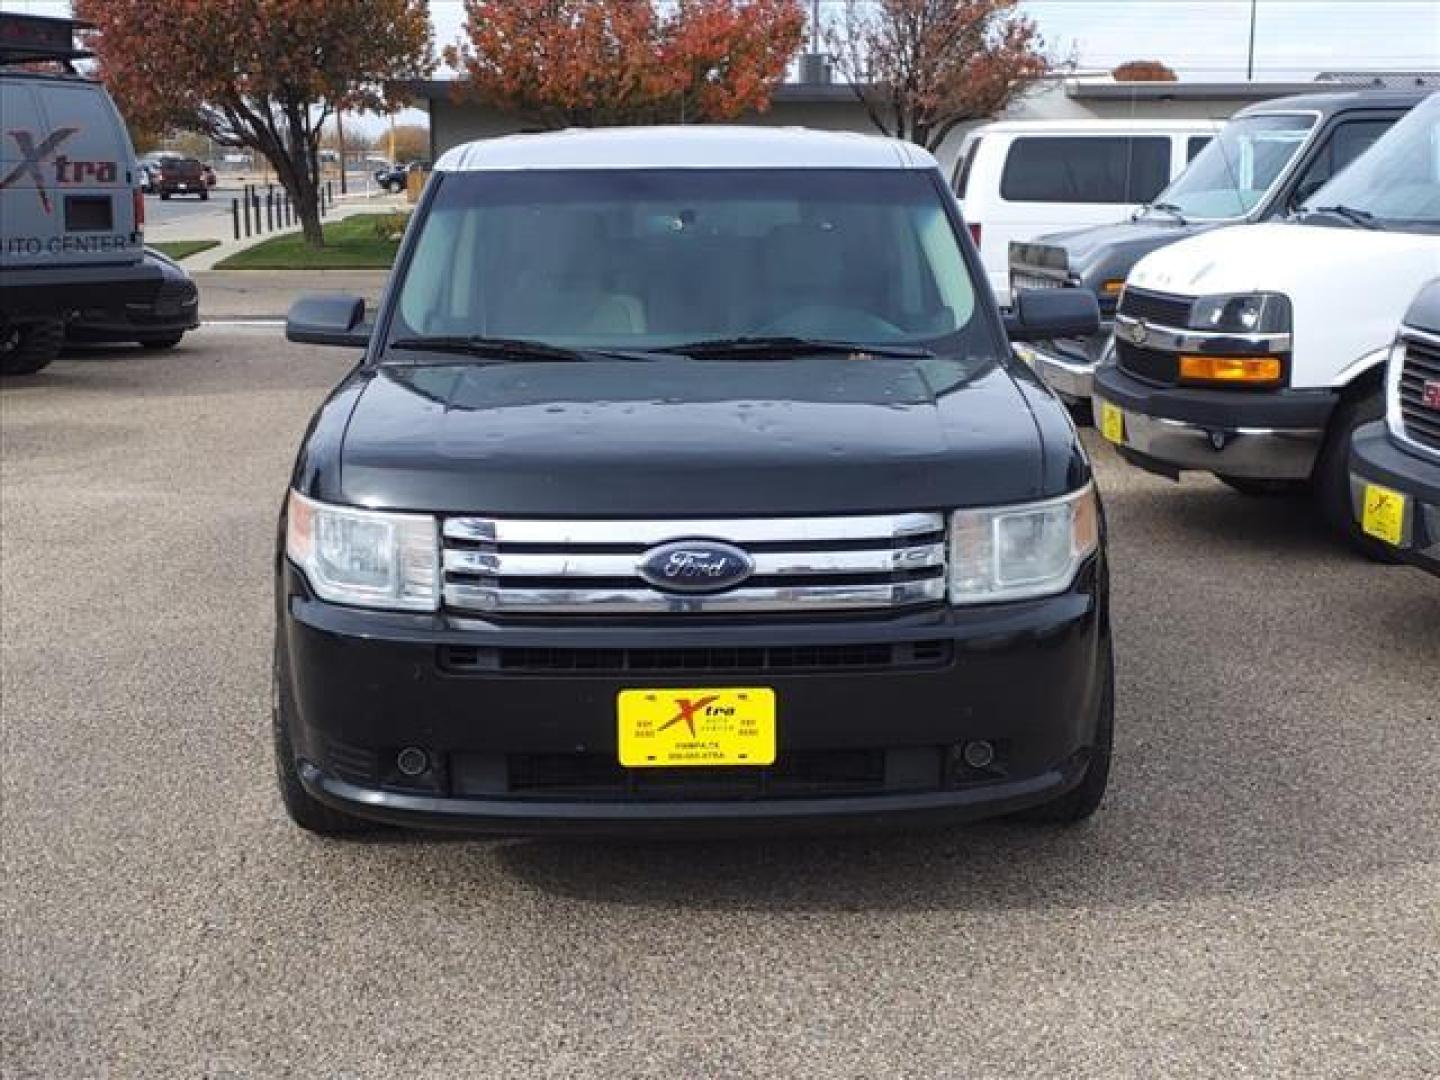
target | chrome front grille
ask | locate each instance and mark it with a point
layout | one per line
(877, 562)
(1162, 309)
(1420, 367)
(1019, 279)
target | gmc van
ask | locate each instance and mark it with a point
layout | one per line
(71, 212)
(687, 477)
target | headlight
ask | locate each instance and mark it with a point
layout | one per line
(1247, 313)
(1016, 552)
(365, 557)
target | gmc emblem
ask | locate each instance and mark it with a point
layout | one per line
(1430, 394)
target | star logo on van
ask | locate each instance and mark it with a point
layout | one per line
(33, 156)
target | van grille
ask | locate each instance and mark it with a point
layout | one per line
(1147, 365)
(1161, 309)
(1421, 365)
(801, 565)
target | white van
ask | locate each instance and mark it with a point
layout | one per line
(71, 213)
(1019, 179)
(1255, 352)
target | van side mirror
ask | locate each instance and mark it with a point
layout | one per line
(327, 319)
(1045, 314)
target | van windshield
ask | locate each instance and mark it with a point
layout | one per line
(1396, 183)
(1238, 168)
(649, 258)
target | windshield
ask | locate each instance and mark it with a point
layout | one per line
(1396, 183)
(1240, 165)
(640, 259)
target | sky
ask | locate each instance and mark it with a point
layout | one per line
(1203, 40)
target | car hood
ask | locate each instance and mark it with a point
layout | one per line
(824, 435)
(1348, 287)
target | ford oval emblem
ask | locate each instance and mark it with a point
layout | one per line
(695, 566)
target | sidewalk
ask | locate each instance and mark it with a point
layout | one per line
(244, 295)
(220, 226)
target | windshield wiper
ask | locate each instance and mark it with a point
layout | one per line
(1355, 216)
(786, 346)
(511, 349)
(1168, 208)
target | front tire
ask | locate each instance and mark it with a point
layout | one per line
(24, 350)
(302, 808)
(1081, 801)
(1331, 478)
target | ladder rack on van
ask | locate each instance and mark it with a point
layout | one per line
(30, 39)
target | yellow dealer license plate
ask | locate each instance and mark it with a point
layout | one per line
(669, 728)
(1112, 422)
(1384, 514)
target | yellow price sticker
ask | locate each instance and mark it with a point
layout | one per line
(1383, 514)
(1112, 423)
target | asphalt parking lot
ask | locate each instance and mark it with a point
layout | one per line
(1260, 896)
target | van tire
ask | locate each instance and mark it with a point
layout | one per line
(204, 195)
(24, 350)
(301, 807)
(1331, 478)
(164, 196)
(1081, 801)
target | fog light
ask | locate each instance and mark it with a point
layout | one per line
(978, 754)
(412, 761)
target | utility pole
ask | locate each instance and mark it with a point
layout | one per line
(1250, 61)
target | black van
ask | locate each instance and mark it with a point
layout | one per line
(688, 477)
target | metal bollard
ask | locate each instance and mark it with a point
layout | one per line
(235, 216)
(245, 197)
(270, 211)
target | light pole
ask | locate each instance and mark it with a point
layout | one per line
(1250, 60)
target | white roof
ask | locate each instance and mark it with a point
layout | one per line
(1139, 126)
(701, 146)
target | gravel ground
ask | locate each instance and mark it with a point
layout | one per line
(1259, 897)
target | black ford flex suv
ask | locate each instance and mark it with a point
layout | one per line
(688, 478)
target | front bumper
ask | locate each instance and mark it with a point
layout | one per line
(1269, 435)
(1376, 459)
(165, 316)
(1068, 367)
(521, 736)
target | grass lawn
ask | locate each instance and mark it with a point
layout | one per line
(359, 242)
(178, 249)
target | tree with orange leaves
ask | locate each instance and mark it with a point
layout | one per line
(261, 74)
(1144, 71)
(596, 62)
(923, 67)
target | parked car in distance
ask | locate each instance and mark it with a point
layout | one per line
(1255, 352)
(1267, 160)
(688, 478)
(1395, 462)
(157, 322)
(396, 178)
(150, 170)
(71, 234)
(1019, 179)
(181, 176)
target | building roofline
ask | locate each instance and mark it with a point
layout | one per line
(1188, 91)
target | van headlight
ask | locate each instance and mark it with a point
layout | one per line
(1242, 313)
(1019, 552)
(366, 558)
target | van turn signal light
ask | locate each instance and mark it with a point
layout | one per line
(1249, 370)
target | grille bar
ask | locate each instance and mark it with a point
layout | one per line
(1421, 364)
(1160, 308)
(878, 561)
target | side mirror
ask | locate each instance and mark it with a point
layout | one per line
(327, 319)
(1046, 314)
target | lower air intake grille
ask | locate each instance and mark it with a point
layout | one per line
(465, 659)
